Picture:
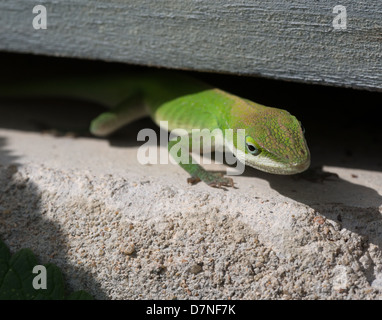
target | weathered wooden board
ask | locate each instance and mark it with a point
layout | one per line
(292, 40)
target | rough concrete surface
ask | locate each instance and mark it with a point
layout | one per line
(122, 230)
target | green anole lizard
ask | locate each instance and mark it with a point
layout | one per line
(274, 139)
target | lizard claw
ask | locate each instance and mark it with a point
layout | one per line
(213, 179)
(228, 182)
(193, 180)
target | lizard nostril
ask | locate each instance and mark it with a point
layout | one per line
(302, 152)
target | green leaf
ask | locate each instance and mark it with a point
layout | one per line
(80, 295)
(17, 278)
(5, 255)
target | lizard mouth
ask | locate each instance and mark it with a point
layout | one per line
(298, 167)
(272, 166)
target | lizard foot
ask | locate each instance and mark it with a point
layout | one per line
(213, 179)
(193, 180)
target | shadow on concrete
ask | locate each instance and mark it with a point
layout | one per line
(23, 224)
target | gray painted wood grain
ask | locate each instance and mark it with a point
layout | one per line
(292, 40)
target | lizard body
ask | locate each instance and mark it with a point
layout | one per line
(274, 139)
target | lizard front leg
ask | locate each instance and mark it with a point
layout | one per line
(180, 152)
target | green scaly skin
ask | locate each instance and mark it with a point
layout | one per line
(274, 140)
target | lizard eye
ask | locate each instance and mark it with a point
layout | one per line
(251, 147)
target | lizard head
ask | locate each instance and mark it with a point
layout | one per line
(273, 141)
